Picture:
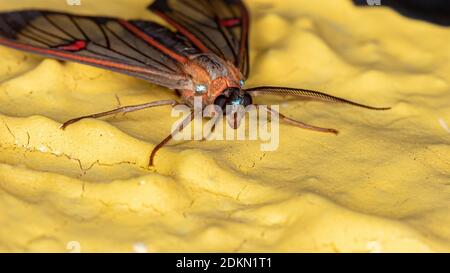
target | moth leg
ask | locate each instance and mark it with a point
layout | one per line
(180, 128)
(125, 109)
(213, 129)
(299, 123)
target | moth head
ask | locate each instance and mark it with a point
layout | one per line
(233, 97)
(234, 101)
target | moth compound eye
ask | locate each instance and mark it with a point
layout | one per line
(241, 83)
(247, 100)
(200, 88)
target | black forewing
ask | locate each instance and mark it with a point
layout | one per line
(218, 26)
(137, 48)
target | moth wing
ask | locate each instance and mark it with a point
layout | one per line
(218, 26)
(137, 48)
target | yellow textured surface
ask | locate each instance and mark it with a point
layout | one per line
(381, 185)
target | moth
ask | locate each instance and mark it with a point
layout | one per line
(204, 53)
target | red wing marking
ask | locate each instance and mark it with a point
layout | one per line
(70, 56)
(74, 47)
(230, 22)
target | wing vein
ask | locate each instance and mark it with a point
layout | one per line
(199, 31)
(48, 33)
(58, 27)
(135, 49)
(79, 28)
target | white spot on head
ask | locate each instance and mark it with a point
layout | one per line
(242, 82)
(200, 88)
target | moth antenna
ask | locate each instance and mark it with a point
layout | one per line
(308, 94)
(296, 122)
